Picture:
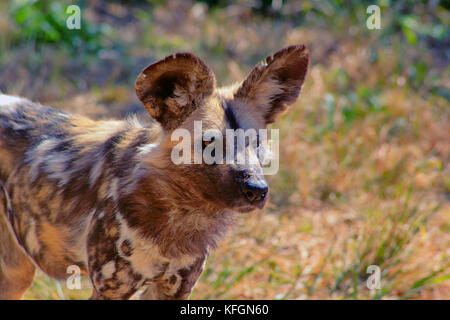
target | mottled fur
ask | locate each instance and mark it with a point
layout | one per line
(105, 195)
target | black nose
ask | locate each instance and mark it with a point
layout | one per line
(255, 191)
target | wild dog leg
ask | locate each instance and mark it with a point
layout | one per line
(111, 275)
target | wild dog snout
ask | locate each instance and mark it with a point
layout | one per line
(256, 192)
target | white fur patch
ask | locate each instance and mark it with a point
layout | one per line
(114, 189)
(133, 122)
(145, 253)
(6, 100)
(101, 215)
(8, 104)
(146, 149)
(55, 166)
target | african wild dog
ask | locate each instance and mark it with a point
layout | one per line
(105, 195)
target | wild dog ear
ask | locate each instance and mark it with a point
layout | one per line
(172, 88)
(274, 84)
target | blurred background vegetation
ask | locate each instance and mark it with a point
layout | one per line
(365, 152)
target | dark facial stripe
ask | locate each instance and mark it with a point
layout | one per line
(229, 113)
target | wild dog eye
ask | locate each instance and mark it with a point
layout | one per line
(206, 142)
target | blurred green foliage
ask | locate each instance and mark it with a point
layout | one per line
(44, 22)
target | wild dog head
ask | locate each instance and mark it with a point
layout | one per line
(180, 93)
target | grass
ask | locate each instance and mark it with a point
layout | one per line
(364, 172)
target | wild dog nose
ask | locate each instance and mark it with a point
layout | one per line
(255, 192)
